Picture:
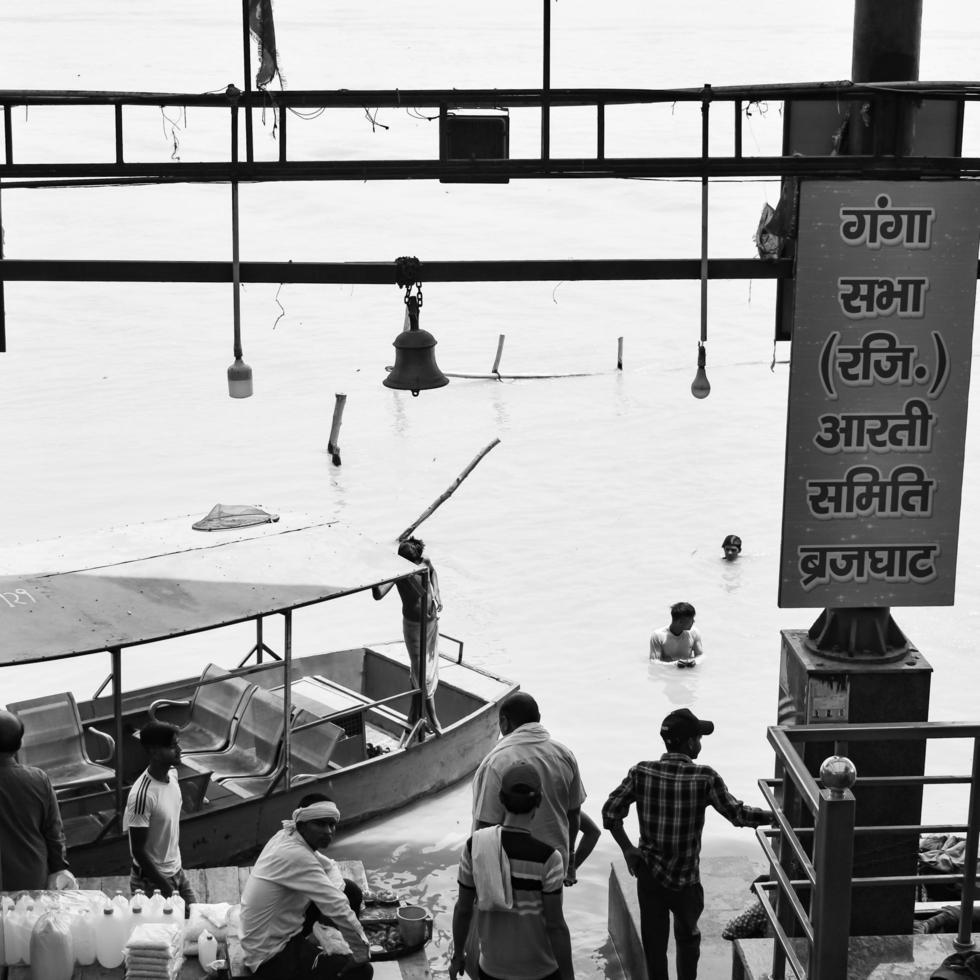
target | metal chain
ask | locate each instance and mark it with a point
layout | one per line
(407, 269)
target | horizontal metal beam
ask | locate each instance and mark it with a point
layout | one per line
(384, 273)
(511, 98)
(855, 167)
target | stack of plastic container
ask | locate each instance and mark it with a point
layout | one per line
(154, 951)
(20, 916)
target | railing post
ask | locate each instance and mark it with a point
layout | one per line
(287, 695)
(964, 939)
(833, 859)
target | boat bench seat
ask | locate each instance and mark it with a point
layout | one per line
(209, 715)
(93, 816)
(253, 749)
(388, 716)
(82, 829)
(54, 740)
(309, 754)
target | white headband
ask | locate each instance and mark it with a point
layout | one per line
(322, 810)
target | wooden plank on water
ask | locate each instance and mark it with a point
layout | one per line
(222, 885)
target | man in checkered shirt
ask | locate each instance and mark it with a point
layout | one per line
(671, 795)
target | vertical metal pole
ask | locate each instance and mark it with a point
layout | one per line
(790, 805)
(600, 149)
(247, 60)
(738, 129)
(833, 863)
(287, 692)
(8, 145)
(117, 713)
(705, 109)
(423, 645)
(118, 115)
(3, 310)
(963, 940)
(546, 85)
(8, 134)
(235, 271)
(258, 640)
(885, 48)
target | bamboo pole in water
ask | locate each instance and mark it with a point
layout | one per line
(333, 443)
(500, 350)
(448, 492)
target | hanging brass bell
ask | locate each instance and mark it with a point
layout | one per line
(415, 367)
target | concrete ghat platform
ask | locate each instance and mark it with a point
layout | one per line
(726, 880)
(869, 957)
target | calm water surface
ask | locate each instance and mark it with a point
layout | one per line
(608, 496)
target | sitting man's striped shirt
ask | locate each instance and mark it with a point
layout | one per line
(514, 943)
(671, 796)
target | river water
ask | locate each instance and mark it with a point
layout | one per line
(608, 495)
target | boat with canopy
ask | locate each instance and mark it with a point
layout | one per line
(256, 736)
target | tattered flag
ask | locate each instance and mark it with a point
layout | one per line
(264, 31)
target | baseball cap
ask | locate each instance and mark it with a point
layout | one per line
(732, 541)
(683, 723)
(520, 777)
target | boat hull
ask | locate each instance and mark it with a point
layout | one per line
(233, 831)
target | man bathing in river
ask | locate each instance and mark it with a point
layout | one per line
(731, 546)
(680, 642)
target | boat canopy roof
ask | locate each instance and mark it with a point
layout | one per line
(153, 581)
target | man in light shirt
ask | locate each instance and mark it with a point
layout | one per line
(288, 876)
(152, 818)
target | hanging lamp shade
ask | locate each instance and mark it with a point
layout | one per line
(415, 367)
(239, 379)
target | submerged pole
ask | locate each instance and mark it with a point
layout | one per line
(500, 350)
(333, 443)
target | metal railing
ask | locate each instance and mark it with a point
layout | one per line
(740, 101)
(817, 907)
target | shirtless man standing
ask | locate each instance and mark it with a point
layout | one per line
(412, 594)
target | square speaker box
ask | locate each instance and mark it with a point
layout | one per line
(475, 138)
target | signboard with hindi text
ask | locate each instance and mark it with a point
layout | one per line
(886, 280)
